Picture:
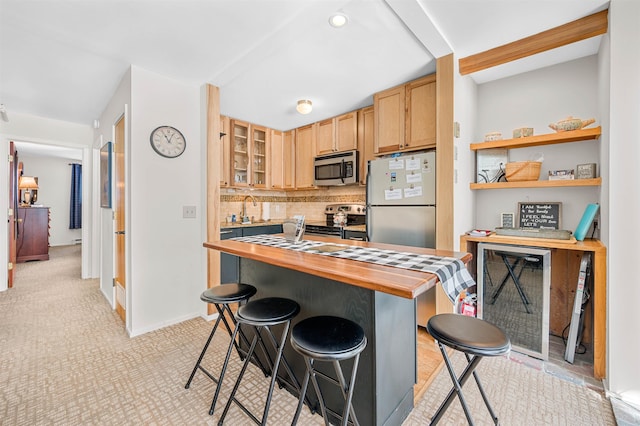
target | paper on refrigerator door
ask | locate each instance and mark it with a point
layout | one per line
(413, 163)
(396, 164)
(413, 192)
(414, 177)
(393, 194)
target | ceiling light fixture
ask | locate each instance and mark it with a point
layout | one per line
(304, 106)
(338, 20)
(3, 113)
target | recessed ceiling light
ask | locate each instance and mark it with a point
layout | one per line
(338, 20)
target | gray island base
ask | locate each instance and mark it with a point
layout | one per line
(383, 392)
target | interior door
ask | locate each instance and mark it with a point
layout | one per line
(13, 210)
(120, 272)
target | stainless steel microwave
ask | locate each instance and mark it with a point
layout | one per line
(340, 168)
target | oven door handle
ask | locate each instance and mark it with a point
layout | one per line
(343, 170)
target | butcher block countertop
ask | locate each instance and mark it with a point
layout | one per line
(386, 279)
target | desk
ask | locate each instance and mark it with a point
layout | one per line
(561, 248)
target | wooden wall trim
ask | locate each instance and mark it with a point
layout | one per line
(580, 29)
(213, 185)
(444, 153)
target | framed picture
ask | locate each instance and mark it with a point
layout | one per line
(540, 215)
(507, 220)
(105, 175)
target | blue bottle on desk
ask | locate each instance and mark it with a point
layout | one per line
(233, 218)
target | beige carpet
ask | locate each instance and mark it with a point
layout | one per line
(66, 360)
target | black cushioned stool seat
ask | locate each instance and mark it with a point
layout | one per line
(332, 339)
(221, 297)
(474, 337)
(261, 314)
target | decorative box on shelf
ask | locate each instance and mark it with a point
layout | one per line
(561, 175)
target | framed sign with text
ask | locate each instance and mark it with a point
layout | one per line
(540, 215)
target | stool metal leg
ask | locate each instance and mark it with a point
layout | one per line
(457, 386)
(204, 350)
(484, 396)
(274, 376)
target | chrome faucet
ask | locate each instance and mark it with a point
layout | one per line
(245, 218)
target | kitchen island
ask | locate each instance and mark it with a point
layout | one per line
(378, 297)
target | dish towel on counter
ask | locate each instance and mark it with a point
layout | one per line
(451, 272)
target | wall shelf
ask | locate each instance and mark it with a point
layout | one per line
(538, 184)
(538, 140)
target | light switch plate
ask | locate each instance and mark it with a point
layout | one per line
(189, 212)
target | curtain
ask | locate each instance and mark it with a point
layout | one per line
(75, 211)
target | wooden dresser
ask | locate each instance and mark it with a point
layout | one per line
(32, 240)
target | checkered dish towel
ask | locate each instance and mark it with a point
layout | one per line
(451, 272)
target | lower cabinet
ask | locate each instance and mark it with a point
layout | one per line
(229, 264)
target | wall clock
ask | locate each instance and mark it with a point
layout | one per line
(168, 141)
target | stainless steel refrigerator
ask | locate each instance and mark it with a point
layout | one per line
(401, 207)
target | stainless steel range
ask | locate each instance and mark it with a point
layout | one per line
(354, 214)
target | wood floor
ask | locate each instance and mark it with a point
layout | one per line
(429, 363)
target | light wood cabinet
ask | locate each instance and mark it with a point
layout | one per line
(420, 103)
(365, 140)
(249, 154)
(281, 160)
(225, 151)
(276, 158)
(405, 116)
(289, 159)
(337, 134)
(305, 149)
(389, 120)
(259, 156)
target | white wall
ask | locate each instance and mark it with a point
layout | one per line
(54, 191)
(465, 106)
(624, 200)
(536, 99)
(165, 275)
(28, 128)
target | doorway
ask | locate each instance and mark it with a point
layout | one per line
(120, 270)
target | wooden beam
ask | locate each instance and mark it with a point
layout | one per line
(580, 29)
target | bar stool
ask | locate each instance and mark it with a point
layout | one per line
(221, 297)
(331, 339)
(474, 337)
(262, 314)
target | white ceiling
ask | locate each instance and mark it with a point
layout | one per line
(63, 59)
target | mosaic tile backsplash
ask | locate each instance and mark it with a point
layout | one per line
(281, 205)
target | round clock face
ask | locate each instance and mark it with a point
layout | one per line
(168, 141)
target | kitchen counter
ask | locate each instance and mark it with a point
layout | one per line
(387, 279)
(381, 299)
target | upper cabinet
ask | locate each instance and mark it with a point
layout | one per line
(405, 116)
(281, 160)
(365, 140)
(305, 150)
(337, 134)
(248, 154)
